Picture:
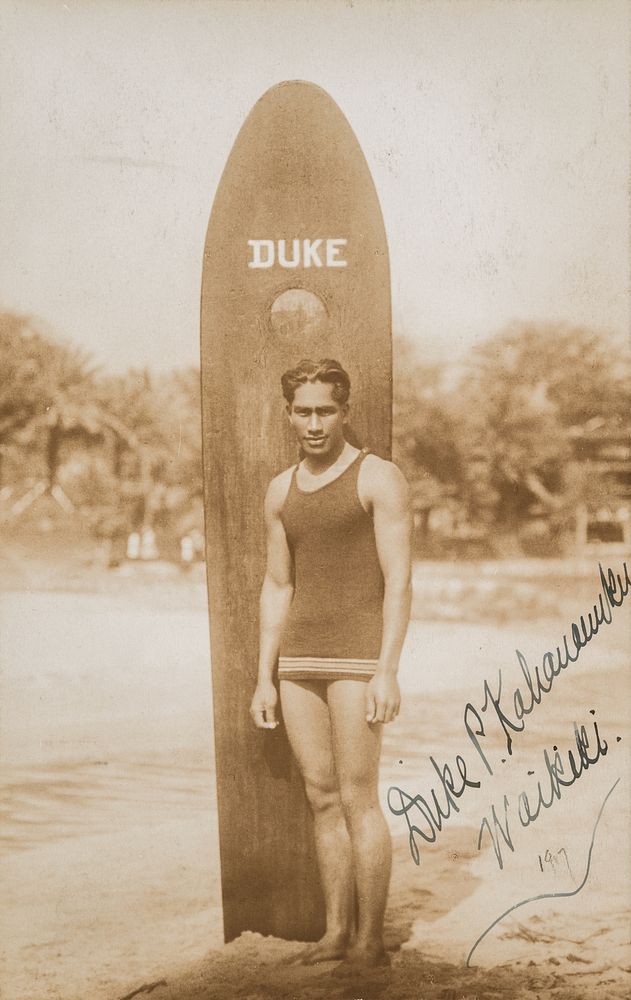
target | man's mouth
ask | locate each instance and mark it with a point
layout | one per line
(315, 441)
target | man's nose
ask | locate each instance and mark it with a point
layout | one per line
(315, 424)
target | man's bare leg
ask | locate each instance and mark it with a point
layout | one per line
(356, 749)
(307, 722)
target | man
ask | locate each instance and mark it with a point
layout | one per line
(334, 610)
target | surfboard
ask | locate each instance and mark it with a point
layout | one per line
(295, 266)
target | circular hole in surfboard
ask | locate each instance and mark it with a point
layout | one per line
(296, 312)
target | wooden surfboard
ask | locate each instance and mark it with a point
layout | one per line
(295, 266)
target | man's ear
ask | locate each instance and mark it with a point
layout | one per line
(345, 413)
(288, 410)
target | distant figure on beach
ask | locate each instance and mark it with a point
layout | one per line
(334, 610)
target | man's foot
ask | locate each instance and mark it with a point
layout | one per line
(361, 958)
(328, 949)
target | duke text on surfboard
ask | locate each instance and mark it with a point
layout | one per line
(297, 253)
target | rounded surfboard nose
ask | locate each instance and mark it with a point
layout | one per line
(295, 266)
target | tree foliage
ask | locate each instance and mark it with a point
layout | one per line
(494, 443)
(23, 377)
(500, 441)
(424, 431)
(525, 390)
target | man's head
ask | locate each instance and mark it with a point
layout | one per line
(328, 371)
(317, 405)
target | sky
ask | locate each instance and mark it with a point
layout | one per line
(497, 134)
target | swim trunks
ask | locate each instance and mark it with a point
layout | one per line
(335, 622)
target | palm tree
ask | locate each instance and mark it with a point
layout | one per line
(48, 396)
(69, 410)
(23, 381)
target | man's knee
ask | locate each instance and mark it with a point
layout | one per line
(358, 795)
(322, 792)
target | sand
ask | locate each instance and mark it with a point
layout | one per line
(109, 842)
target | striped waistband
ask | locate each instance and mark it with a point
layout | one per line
(324, 668)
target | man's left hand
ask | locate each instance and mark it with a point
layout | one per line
(383, 698)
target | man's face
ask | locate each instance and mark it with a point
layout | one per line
(318, 419)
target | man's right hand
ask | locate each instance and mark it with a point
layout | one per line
(263, 707)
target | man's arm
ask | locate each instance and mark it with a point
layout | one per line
(388, 493)
(276, 596)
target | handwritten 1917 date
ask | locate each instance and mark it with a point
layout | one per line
(552, 858)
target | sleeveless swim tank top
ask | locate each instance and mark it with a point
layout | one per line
(337, 608)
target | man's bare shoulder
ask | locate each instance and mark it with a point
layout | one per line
(382, 480)
(277, 491)
(380, 470)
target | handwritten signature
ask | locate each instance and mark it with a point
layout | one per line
(426, 814)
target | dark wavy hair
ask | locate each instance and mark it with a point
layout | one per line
(327, 370)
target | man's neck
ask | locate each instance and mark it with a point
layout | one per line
(317, 468)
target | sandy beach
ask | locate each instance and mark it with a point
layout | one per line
(109, 862)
